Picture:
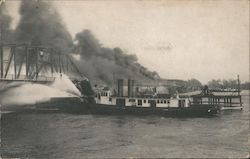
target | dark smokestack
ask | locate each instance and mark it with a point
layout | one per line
(120, 87)
(131, 92)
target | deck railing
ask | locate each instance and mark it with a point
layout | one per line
(228, 104)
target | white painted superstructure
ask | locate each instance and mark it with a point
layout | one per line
(105, 98)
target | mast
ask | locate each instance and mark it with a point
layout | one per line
(1, 62)
(238, 84)
(1, 49)
(239, 90)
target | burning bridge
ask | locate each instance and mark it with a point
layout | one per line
(24, 63)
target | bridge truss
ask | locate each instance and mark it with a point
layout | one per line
(34, 63)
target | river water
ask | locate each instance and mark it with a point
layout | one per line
(62, 135)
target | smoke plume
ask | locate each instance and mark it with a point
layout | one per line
(6, 34)
(104, 64)
(40, 24)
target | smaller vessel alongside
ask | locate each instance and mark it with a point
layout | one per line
(226, 99)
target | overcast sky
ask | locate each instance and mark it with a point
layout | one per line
(178, 39)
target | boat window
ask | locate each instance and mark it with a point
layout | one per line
(181, 103)
(168, 101)
(139, 102)
(158, 101)
(110, 99)
(161, 101)
(131, 100)
(145, 101)
(164, 101)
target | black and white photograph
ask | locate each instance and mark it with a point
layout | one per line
(124, 79)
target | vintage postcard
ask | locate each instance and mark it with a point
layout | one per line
(124, 79)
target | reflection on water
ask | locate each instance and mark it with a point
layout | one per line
(61, 135)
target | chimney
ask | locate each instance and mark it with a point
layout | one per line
(131, 84)
(120, 87)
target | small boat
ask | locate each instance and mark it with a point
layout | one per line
(226, 99)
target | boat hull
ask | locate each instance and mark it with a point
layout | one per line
(172, 112)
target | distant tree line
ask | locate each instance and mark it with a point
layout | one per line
(245, 85)
(225, 84)
(195, 85)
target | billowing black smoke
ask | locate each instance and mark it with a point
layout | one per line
(6, 34)
(105, 64)
(40, 24)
